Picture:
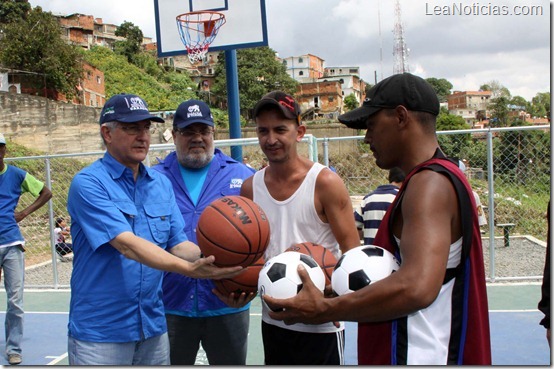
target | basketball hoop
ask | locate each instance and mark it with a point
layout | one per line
(197, 31)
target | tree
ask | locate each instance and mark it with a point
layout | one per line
(13, 10)
(452, 143)
(450, 122)
(499, 111)
(350, 102)
(540, 105)
(497, 89)
(34, 44)
(441, 86)
(519, 101)
(133, 39)
(259, 72)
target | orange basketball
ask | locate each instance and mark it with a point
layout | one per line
(234, 229)
(320, 254)
(246, 282)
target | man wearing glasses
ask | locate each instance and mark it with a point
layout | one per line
(126, 229)
(200, 173)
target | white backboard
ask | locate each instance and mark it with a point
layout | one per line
(245, 24)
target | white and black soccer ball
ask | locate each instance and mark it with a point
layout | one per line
(279, 276)
(361, 266)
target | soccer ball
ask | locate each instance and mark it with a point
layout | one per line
(279, 276)
(361, 266)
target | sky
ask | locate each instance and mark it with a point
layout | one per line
(463, 42)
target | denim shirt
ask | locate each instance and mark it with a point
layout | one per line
(113, 298)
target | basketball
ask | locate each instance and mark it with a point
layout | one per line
(234, 229)
(246, 282)
(320, 254)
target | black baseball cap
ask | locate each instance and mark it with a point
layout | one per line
(412, 92)
(286, 103)
(126, 108)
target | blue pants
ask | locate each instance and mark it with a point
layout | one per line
(12, 261)
(151, 351)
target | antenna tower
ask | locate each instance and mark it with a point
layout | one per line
(400, 51)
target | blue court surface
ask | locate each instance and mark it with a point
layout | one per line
(517, 338)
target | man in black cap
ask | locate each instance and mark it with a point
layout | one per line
(200, 174)
(304, 201)
(433, 310)
(126, 230)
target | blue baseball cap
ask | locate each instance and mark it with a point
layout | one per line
(126, 108)
(192, 111)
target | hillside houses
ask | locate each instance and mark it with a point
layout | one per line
(321, 89)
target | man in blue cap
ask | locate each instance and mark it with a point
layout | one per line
(200, 174)
(126, 228)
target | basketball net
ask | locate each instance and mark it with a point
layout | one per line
(197, 31)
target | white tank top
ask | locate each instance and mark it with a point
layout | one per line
(292, 221)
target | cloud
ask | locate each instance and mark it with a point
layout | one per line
(467, 49)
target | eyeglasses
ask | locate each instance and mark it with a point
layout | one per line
(133, 130)
(187, 132)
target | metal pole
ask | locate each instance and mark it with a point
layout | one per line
(326, 151)
(233, 101)
(48, 184)
(490, 177)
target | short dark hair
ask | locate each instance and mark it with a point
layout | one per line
(59, 221)
(427, 120)
(396, 175)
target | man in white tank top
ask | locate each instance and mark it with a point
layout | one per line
(304, 201)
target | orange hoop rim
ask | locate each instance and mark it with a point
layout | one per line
(182, 17)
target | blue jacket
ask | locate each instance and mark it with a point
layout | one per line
(189, 296)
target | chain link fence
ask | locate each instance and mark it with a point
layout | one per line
(512, 164)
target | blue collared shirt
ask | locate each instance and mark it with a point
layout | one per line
(113, 298)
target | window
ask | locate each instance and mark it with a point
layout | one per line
(285, 63)
(98, 80)
(331, 99)
(300, 60)
(301, 73)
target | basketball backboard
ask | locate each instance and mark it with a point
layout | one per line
(245, 24)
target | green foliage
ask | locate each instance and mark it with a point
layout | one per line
(34, 44)
(259, 72)
(441, 86)
(350, 102)
(499, 112)
(130, 47)
(148, 62)
(450, 122)
(540, 105)
(524, 158)
(519, 101)
(161, 90)
(13, 10)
